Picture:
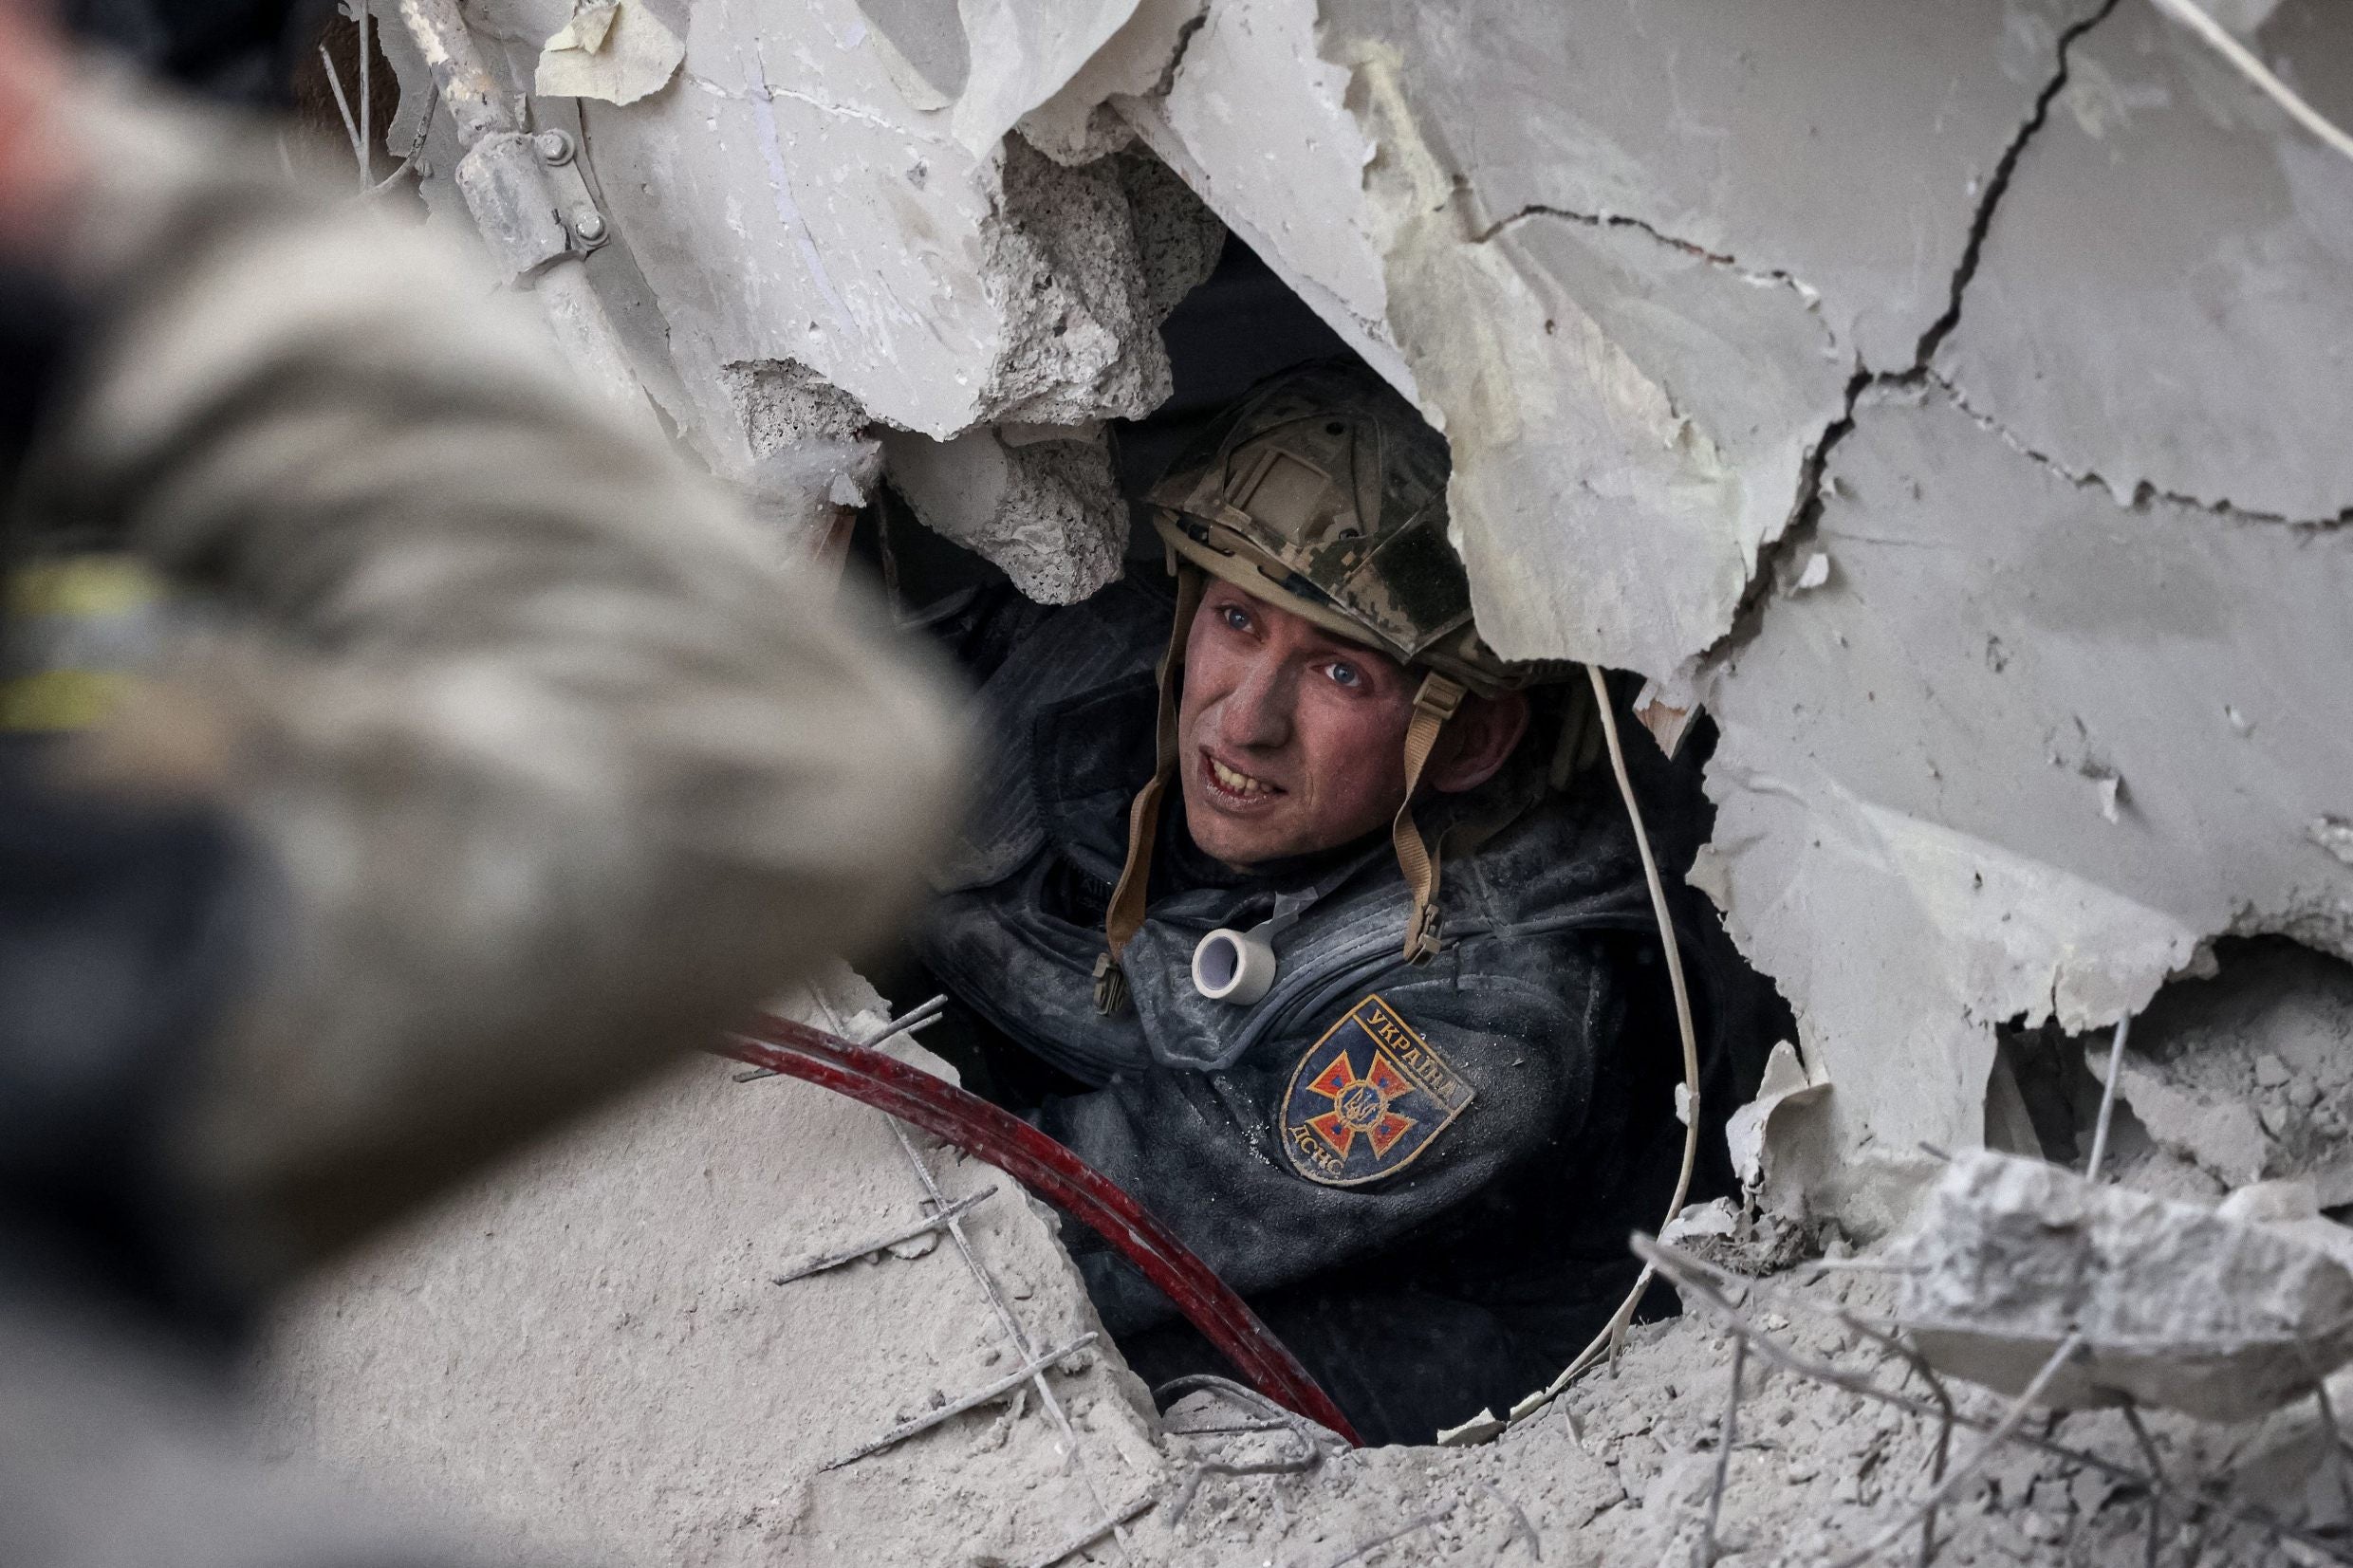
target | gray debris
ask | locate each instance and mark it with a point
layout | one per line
(1048, 511)
(2179, 1306)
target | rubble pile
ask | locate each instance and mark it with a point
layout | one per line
(614, 1402)
(1948, 402)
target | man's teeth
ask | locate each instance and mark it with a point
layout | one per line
(1241, 783)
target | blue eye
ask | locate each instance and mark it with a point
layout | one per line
(1348, 675)
(1234, 616)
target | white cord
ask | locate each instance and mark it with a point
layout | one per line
(1616, 1328)
(2254, 70)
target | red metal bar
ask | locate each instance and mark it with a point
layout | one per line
(1061, 1177)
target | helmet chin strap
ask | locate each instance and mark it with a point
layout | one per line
(1125, 916)
(1434, 705)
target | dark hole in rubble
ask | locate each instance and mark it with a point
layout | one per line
(1240, 326)
(2239, 1075)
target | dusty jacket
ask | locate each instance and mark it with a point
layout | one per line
(1444, 1160)
(504, 759)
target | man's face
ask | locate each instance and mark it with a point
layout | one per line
(1292, 740)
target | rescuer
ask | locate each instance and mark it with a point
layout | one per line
(1327, 940)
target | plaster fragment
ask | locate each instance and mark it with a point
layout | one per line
(2110, 787)
(2333, 834)
(1078, 123)
(616, 51)
(1666, 716)
(1760, 1142)
(1023, 53)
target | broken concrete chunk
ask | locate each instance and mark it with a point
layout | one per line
(810, 453)
(1062, 268)
(2179, 1306)
(2250, 1074)
(1750, 1130)
(1177, 238)
(785, 402)
(1048, 513)
(616, 50)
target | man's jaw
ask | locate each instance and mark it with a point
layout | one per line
(1232, 789)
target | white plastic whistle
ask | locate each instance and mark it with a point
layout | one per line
(1233, 966)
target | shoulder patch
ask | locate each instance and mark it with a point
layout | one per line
(1367, 1098)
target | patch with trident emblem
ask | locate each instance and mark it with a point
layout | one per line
(1367, 1098)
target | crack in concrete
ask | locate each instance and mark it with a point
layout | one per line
(1997, 185)
(1769, 278)
(1806, 515)
(767, 94)
(2141, 494)
(1185, 35)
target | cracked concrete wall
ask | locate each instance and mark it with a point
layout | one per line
(1952, 400)
(2057, 716)
(1598, 246)
(2163, 301)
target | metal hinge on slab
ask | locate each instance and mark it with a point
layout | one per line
(528, 197)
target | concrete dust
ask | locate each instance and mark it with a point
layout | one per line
(2248, 1074)
(589, 1350)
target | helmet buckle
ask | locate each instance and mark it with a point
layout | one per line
(1110, 986)
(1422, 935)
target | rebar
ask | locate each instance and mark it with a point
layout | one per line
(1995, 1439)
(2243, 60)
(1034, 1367)
(1726, 1435)
(2107, 1099)
(924, 1226)
(922, 1016)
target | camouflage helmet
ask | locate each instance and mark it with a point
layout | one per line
(1323, 492)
